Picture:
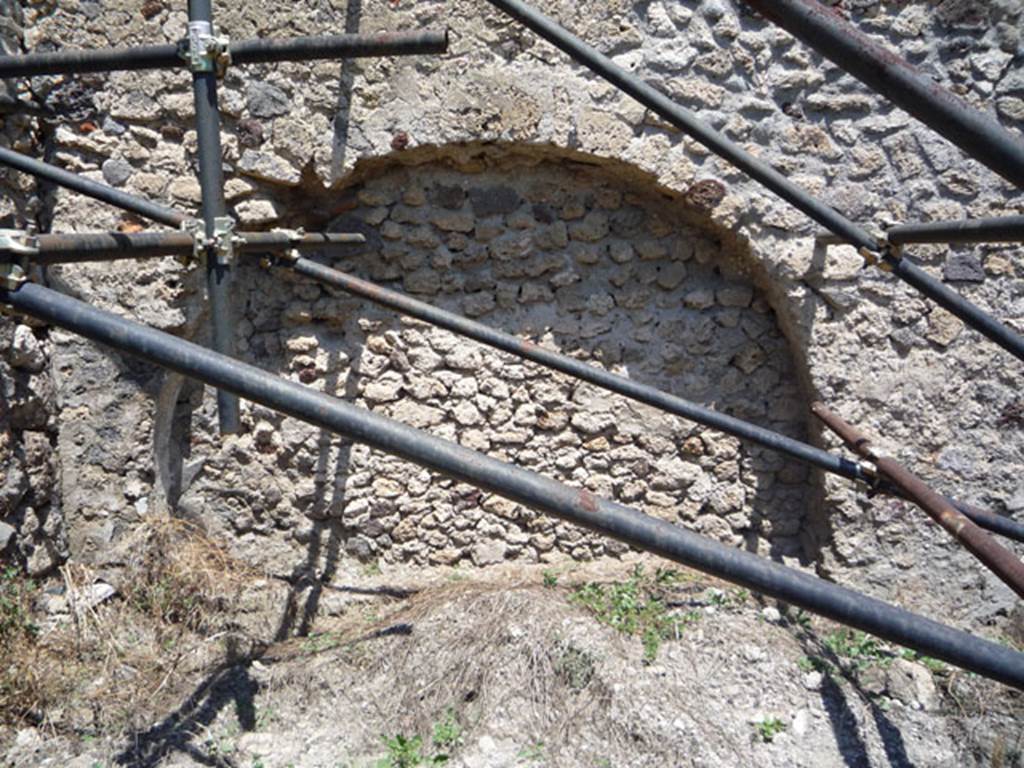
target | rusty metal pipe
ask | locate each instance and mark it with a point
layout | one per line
(111, 246)
(1003, 563)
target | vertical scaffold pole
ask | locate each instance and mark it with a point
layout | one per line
(211, 182)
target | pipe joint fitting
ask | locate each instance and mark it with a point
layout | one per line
(204, 50)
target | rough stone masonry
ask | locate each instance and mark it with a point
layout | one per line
(504, 182)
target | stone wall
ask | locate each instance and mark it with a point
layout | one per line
(562, 253)
(934, 393)
(31, 525)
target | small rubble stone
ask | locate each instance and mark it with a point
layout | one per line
(943, 327)
(489, 553)
(26, 352)
(963, 268)
(493, 201)
(735, 296)
(911, 683)
(266, 100)
(272, 168)
(7, 534)
(591, 228)
(257, 212)
(116, 171)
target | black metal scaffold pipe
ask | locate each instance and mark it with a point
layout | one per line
(690, 124)
(338, 47)
(1003, 229)
(524, 487)
(165, 56)
(211, 184)
(621, 385)
(93, 189)
(953, 302)
(824, 30)
(110, 246)
(242, 52)
(579, 369)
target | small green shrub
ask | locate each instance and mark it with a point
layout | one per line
(403, 752)
(448, 732)
(934, 666)
(858, 647)
(534, 753)
(769, 728)
(637, 607)
(812, 663)
(575, 666)
(410, 751)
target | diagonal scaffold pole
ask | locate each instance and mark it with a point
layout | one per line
(255, 51)
(621, 385)
(535, 491)
(217, 225)
(689, 123)
(884, 71)
(94, 189)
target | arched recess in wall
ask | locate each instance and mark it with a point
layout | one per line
(582, 255)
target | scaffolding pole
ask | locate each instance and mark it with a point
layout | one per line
(1002, 229)
(111, 246)
(882, 70)
(621, 385)
(94, 189)
(689, 123)
(522, 486)
(255, 51)
(218, 227)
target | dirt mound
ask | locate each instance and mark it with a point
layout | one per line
(618, 665)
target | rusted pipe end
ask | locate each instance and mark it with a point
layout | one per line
(851, 437)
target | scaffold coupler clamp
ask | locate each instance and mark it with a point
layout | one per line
(16, 247)
(197, 229)
(224, 240)
(883, 256)
(870, 476)
(295, 236)
(204, 50)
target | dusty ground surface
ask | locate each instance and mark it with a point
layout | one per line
(606, 664)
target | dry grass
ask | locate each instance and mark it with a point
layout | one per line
(459, 649)
(108, 667)
(181, 577)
